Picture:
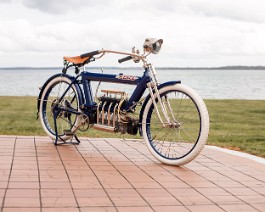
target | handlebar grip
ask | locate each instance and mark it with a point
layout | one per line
(125, 59)
(89, 54)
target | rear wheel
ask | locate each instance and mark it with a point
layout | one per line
(179, 141)
(57, 100)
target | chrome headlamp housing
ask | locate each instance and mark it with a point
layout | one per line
(152, 45)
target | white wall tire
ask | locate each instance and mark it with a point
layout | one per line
(175, 143)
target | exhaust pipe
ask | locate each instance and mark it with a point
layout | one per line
(104, 128)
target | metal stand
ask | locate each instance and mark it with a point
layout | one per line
(66, 132)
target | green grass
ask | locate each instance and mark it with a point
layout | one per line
(235, 124)
(18, 116)
(238, 124)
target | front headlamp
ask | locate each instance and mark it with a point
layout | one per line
(152, 45)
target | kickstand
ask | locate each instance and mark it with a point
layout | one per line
(69, 142)
(66, 132)
(55, 114)
(77, 139)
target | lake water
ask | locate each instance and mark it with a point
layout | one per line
(210, 84)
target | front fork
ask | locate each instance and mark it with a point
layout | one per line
(166, 111)
(154, 91)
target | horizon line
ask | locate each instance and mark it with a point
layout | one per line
(131, 67)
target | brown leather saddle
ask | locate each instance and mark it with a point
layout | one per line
(77, 59)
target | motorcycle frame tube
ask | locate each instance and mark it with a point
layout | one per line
(139, 82)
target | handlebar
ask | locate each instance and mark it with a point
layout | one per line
(85, 58)
(89, 54)
(125, 59)
(129, 56)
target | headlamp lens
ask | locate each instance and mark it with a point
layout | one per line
(153, 45)
(156, 47)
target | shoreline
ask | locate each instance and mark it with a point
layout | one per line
(236, 67)
(205, 99)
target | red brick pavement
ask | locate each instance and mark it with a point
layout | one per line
(116, 175)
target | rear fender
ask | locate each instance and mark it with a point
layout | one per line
(147, 99)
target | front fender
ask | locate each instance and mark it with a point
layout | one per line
(148, 97)
(46, 83)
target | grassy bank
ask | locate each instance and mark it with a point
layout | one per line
(235, 124)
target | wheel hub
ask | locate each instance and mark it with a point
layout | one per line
(175, 125)
(55, 108)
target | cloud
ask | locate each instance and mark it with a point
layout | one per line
(252, 11)
(23, 36)
(183, 37)
(5, 1)
(58, 6)
(193, 33)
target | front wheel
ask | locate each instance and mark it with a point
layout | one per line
(183, 132)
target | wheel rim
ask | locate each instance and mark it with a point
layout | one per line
(177, 139)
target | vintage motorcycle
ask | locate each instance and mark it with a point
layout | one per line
(172, 119)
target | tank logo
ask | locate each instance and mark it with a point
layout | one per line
(127, 77)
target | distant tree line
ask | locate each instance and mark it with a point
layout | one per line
(216, 68)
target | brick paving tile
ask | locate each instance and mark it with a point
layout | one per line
(260, 189)
(260, 207)
(2, 193)
(210, 191)
(50, 193)
(92, 197)
(4, 175)
(238, 207)
(117, 175)
(96, 202)
(205, 208)
(145, 184)
(6, 160)
(17, 166)
(51, 184)
(242, 191)
(3, 184)
(22, 210)
(252, 199)
(157, 197)
(126, 197)
(201, 184)
(21, 184)
(58, 202)
(93, 183)
(134, 209)
(53, 176)
(170, 208)
(225, 199)
(190, 197)
(22, 202)
(22, 193)
(98, 209)
(5, 166)
(60, 209)
(25, 179)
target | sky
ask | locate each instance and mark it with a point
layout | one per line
(196, 33)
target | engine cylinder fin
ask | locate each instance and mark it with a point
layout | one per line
(109, 116)
(102, 113)
(114, 114)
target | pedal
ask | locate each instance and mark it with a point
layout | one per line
(68, 133)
